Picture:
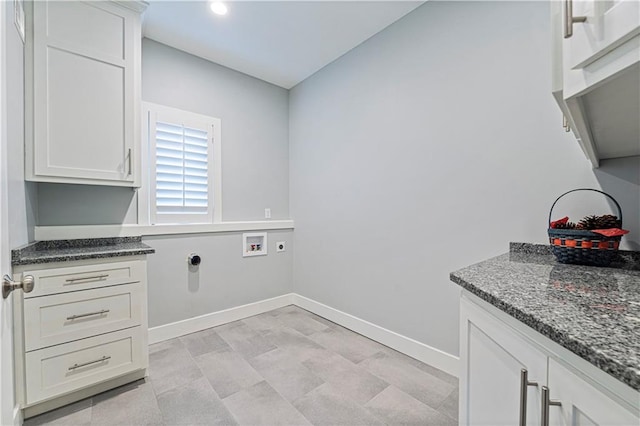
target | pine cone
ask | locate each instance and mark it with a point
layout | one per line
(608, 221)
(568, 225)
(588, 222)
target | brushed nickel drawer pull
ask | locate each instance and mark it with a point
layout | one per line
(569, 19)
(84, 364)
(524, 383)
(72, 317)
(546, 403)
(93, 277)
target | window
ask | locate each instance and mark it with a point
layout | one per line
(184, 166)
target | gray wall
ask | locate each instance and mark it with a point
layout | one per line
(254, 114)
(66, 204)
(399, 152)
(255, 142)
(20, 212)
(425, 149)
(224, 279)
(22, 199)
(255, 175)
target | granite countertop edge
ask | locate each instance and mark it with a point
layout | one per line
(42, 252)
(609, 365)
(626, 374)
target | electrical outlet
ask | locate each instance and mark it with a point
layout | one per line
(281, 246)
(267, 213)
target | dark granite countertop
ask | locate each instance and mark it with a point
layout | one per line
(67, 250)
(592, 311)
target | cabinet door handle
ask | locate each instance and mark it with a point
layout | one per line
(569, 19)
(129, 162)
(524, 383)
(84, 364)
(546, 403)
(103, 311)
(93, 277)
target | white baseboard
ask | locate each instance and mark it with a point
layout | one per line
(425, 353)
(17, 415)
(192, 325)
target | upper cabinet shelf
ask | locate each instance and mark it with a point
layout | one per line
(596, 74)
(83, 92)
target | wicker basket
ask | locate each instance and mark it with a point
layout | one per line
(580, 246)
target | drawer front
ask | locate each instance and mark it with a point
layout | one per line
(61, 318)
(61, 280)
(60, 369)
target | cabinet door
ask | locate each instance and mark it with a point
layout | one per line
(594, 75)
(583, 404)
(83, 76)
(493, 356)
(609, 24)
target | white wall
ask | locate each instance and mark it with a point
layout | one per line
(425, 149)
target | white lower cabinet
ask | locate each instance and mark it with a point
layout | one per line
(82, 330)
(581, 403)
(499, 368)
(506, 368)
(61, 318)
(63, 368)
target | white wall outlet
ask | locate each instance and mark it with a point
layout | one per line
(281, 246)
(267, 213)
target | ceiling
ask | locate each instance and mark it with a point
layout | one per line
(282, 42)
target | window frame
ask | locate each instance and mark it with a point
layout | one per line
(147, 213)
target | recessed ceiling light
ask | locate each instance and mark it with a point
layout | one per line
(218, 8)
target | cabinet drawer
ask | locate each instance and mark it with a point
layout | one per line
(64, 317)
(60, 369)
(60, 280)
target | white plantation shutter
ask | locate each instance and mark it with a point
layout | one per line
(181, 187)
(181, 169)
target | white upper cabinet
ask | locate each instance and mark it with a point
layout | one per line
(596, 74)
(83, 93)
(608, 24)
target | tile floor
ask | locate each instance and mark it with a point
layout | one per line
(284, 367)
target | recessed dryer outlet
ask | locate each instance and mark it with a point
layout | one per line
(254, 244)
